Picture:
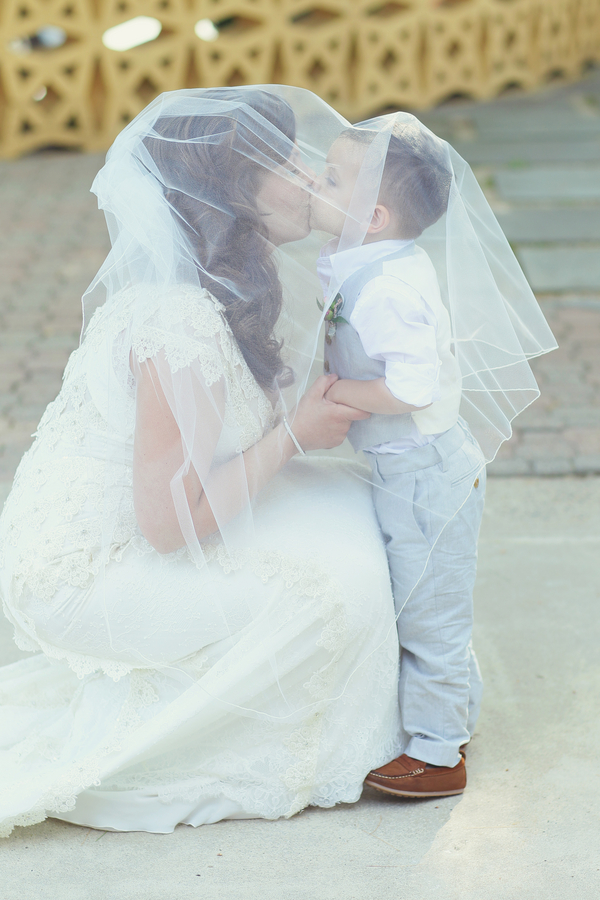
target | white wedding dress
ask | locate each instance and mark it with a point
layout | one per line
(90, 731)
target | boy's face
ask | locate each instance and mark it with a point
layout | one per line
(335, 187)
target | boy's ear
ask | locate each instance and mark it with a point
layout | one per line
(380, 219)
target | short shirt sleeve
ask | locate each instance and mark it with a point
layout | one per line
(396, 326)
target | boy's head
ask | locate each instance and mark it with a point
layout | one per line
(413, 193)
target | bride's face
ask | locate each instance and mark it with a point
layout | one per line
(283, 201)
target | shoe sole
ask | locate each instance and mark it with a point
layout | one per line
(379, 787)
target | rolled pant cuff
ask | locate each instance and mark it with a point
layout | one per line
(433, 752)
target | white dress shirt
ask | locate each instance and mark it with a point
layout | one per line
(395, 324)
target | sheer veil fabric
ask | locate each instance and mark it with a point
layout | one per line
(251, 662)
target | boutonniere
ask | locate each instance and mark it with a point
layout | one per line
(332, 316)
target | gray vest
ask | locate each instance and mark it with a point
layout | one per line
(345, 356)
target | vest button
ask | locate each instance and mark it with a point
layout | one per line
(326, 366)
(476, 484)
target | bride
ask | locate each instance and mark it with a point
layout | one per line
(210, 611)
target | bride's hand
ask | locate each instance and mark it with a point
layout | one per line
(320, 424)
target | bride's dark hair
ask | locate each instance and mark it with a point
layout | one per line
(211, 175)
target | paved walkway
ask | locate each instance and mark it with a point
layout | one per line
(538, 159)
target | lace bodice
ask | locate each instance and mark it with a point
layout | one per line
(71, 507)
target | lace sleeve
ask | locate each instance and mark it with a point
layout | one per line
(189, 328)
(189, 331)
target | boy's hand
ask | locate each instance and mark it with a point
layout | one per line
(320, 423)
(333, 395)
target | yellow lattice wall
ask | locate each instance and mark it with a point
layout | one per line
(360, 55)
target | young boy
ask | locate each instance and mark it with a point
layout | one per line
(391, 348)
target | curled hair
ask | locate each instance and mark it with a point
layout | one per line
(416, 178)
(210, 171)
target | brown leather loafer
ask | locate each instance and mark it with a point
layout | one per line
(407, 777)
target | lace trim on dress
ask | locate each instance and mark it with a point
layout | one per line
(80, 773)
(193, 329)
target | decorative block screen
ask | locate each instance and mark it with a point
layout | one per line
(66, 79)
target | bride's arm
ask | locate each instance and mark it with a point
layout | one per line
(158, 455)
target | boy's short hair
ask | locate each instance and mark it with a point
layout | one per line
(416, 177)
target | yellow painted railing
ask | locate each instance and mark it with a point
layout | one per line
(60, 84)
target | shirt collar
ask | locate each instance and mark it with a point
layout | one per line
(335, 267)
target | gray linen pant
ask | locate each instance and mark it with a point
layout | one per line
(429, 502)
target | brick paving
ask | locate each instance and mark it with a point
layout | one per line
(52, 241)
